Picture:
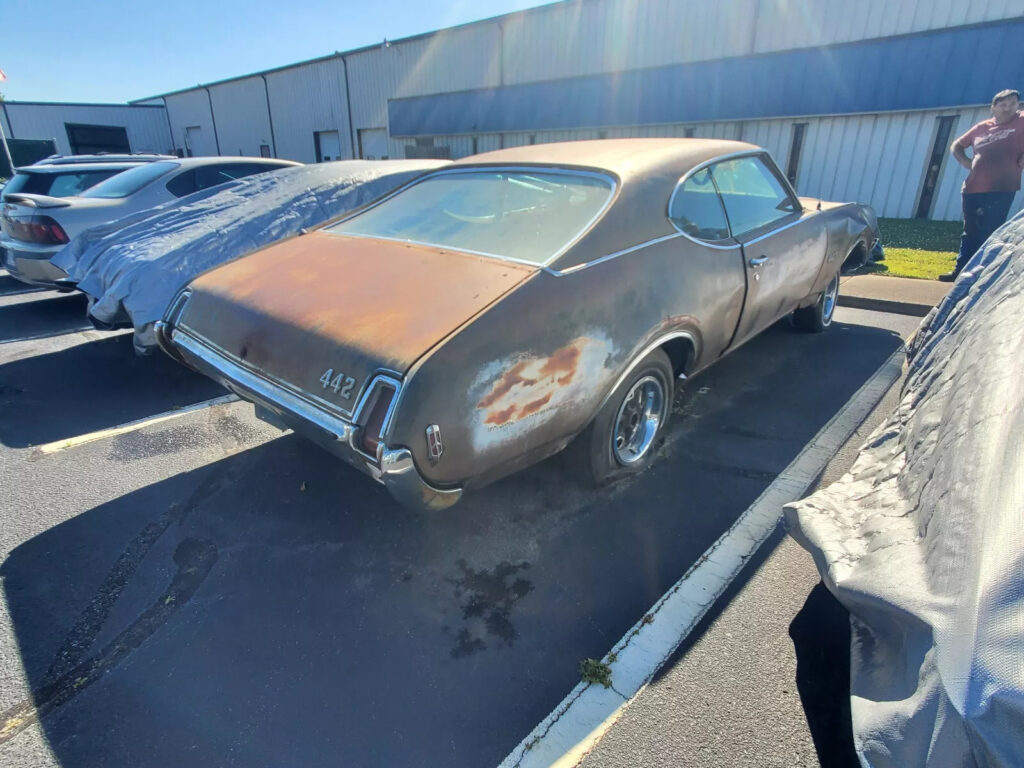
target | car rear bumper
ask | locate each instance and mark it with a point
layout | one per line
(394, 468)
(30, 264)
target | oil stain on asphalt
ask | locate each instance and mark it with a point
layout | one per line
(487, 599)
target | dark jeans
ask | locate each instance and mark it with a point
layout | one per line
(984, 213)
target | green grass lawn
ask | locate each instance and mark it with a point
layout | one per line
(917, 248)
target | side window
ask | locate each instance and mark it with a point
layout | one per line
(211, 175)
(697, 210)
(182, 184)
(753, 196)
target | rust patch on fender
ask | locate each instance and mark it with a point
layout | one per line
(520, 393)
(513, 377)
(536, 405)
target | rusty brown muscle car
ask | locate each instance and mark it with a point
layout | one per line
(487, 315)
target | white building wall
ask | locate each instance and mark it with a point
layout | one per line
(191, 108)
(242, 118)
(786, 24)
(146, 126)
(307, 99)
(570, 39)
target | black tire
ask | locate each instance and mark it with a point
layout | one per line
(817, 317)
(624, 436)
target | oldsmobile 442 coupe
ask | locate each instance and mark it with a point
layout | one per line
(488, 314)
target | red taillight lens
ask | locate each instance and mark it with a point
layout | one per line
(374, 423)
(36, 229)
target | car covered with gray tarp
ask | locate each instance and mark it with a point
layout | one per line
(133, 267)
(923, 540)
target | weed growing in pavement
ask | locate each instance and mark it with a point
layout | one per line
(594, 671)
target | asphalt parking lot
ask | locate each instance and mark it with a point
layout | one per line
(205, 590)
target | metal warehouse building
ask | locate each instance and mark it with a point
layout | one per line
(856, 100)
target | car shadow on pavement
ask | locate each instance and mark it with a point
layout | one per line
(90, 386)
(10, 286)
(49, 314)
(821, 639)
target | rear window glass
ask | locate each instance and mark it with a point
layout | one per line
(56, 184)
(524, 215)
(130, 182)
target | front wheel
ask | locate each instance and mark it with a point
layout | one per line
(817, 317)
(624, 435)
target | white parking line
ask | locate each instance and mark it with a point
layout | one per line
(131, 426)
(565, 736)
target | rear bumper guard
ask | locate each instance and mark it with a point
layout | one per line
(394, 467)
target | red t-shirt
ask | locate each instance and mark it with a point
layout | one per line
(997, 152)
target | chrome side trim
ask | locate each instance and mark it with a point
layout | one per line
(638, 358)
(783, 228)
(602, 259)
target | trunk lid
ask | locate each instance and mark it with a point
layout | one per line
(322, 303)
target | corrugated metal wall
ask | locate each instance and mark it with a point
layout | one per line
(191, 108)
(307, 99)
(786, 24)
(146, 126)
(243, 121)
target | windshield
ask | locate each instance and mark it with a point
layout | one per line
(130, 182)
(524, 215)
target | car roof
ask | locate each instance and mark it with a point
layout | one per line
(77, 167)
(195, 162)
(102, 157)
(623, 157)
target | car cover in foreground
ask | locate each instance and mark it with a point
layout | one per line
(133, 268)
(923, 540)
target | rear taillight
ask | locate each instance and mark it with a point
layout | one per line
(36, 229)
(377, 412)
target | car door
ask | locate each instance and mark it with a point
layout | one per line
(783, 246)
(709, 284)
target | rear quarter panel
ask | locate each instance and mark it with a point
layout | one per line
(528, 374)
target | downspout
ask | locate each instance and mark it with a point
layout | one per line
(170, 130)
(213, 117)
(501, 71)
(270, 116)
(348, 108)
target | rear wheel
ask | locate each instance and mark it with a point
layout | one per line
(817, 317)
(624, 435)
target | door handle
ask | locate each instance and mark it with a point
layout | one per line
(758, 261)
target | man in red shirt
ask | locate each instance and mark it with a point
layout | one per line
(998, 159)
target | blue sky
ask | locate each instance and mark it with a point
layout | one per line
(115, 50)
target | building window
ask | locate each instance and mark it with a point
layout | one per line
(89, 139)
(943, 130)
(688, 133)
(796, 146)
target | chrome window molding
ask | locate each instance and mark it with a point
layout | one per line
(610, 256)
(613, 189)
(786, 186)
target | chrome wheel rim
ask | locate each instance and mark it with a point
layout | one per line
(638, 420)
(829, 300)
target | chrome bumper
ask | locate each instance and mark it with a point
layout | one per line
(394, 468)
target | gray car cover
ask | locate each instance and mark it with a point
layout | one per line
(923, 540)
(133, 267)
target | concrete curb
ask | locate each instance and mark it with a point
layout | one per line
(885, 305)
